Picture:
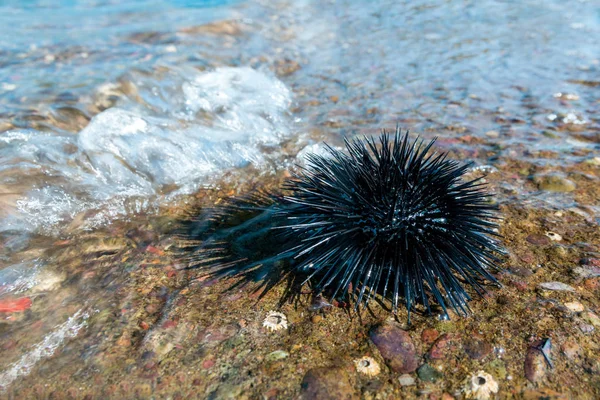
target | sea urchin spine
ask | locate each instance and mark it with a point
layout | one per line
(390, 218)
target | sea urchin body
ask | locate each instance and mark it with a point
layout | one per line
(392, 218)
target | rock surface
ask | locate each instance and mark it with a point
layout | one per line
(396, 347)
(327, 384)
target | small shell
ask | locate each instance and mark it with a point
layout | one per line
(480, 386)
(554, 236)
(368, 366)
(275, 321)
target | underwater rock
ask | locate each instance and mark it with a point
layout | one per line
(427, 373)
(535, 365)
(477, 348)
(396, 347)
(327, 383)
(553, 182)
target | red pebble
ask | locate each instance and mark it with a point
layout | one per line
(154, 250)
(15, 305)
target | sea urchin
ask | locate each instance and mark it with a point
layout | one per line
(390, 218)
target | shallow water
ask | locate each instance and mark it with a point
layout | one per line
(116, 115)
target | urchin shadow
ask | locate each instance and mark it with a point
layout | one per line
(237, 240)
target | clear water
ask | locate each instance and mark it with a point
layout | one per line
(111, 109)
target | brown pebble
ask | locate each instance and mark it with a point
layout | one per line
(429, 335)
(538, 240)
(535, 365)
(520, 271)
(520, 285)
(396, 347)
(327, 383)
(316, 319)
(570, 349)
(592, 283)
(476, 347)
(442, 347)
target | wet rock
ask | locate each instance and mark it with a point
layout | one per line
(588, 270)
(214, 335)
(277, 355)
(535, 365)
(554, 182)
(396, 347)
(575, 306)
(428, 336)
(407, 380)
(443, 346)
(521, 271)
(557, 286)
(225, 28)
(538, 240)
(570, 349)
(477, 348)
(591, 318)
(286, 67)
(328, 384)
(427, 373)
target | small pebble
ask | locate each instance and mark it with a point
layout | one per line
(558, 286)
(553, 182)
(535, 365)
(427, 373)
(570, 349)
(538, 240)
(396, 347)
(442, 347)
(277, 355)
(477, 348)
(407, 380)
(429, 335)
(591, 318)
(575, 306)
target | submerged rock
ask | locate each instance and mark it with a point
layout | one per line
(396, 347)
(553, 182)
(327, 384)
(477, 348)
(427, 373)
(535, 365)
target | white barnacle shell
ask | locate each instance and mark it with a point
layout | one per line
(480, 386)
(275, 321)
(368, 366)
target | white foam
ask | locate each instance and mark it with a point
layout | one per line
(44, 349)
(129, 156)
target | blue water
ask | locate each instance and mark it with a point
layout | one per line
(49, 47)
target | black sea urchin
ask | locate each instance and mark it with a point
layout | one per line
(388, 218)
(391, 218)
